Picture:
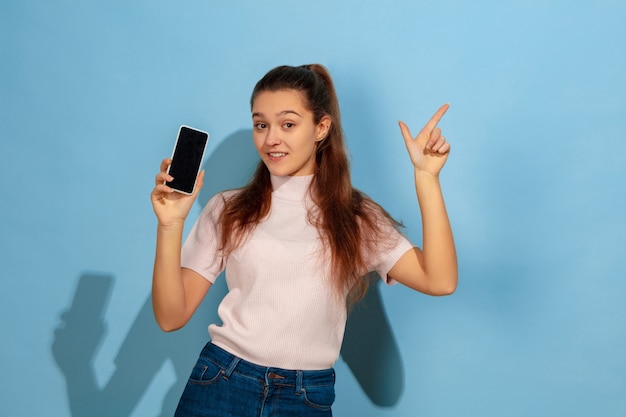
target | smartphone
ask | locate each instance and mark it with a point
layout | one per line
(187, 158)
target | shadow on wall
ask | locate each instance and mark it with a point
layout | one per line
(141, 356)
(369, 348)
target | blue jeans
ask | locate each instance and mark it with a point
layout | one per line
(224, 385)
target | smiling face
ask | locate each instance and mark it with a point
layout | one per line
(285, 133)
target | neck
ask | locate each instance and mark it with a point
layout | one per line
(294, 188)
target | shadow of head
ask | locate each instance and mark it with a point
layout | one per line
(230, 165)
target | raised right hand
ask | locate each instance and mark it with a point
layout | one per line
(170, 206)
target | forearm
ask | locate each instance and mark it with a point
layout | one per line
(168, 291)
(438, 250)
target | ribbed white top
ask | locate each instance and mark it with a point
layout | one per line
(280, 309)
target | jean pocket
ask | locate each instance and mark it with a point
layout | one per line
(205, 372)
(321, 397)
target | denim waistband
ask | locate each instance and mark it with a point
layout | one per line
(270, 375)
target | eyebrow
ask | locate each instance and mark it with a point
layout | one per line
(282, 113)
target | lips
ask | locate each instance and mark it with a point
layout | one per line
(276, 154)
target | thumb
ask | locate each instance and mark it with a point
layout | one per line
(406, 132)
(199, 182)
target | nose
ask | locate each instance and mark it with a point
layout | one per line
(272, 137)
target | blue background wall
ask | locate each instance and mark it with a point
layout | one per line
(91, 96)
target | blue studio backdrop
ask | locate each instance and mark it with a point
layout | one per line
(91, 97)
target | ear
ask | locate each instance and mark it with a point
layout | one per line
(322, 128)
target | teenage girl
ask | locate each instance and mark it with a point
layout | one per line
(296, 244)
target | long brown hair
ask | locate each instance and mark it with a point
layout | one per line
(348, 221)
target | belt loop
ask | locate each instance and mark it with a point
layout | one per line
(233, 364)
(299, 376)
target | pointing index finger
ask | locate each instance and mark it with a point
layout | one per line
(432, 123)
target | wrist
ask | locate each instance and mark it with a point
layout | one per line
(421, 175)
(174, 226)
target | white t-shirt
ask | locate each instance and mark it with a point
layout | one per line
(281, 309)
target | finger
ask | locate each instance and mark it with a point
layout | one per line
(165, 164)
(435, 119)
(433, 138)
(406, 132)
(160, 190)
(441, 146)
(435, 146)
(162, 177)
(444, 149)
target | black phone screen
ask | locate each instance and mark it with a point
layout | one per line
(187, 158)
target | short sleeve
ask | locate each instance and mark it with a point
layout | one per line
(384, 254)
(201, 250)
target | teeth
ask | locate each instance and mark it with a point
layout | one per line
(277, 154)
